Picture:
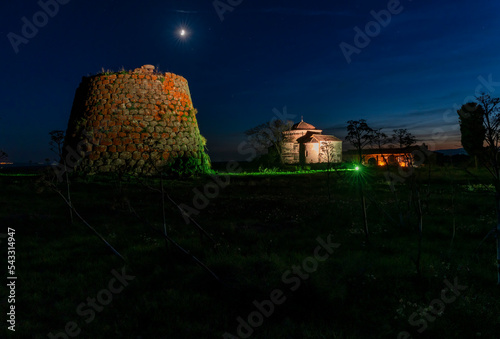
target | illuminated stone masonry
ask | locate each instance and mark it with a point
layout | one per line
(136, 121)
(304, 143)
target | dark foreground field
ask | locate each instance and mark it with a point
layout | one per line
(292, 261)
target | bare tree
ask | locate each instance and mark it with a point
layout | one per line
(379, 140)
(405, 140)
(360, 135)
(328, 153)
(56, 142)
(491, 122)
(3, 155)
(56, 145)
(270, 134)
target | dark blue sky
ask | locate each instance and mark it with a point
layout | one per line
(264, 55)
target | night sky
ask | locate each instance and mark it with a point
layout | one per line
(416, 69)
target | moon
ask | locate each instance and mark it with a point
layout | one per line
(182, 33)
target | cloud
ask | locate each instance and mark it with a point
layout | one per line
(426, 112)
(305, 12)
(184, 11)
(428, 131)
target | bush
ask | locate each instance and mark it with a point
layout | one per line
(183, 167)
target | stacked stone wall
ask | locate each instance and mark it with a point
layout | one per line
(137, 121)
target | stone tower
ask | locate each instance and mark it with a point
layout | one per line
(138, 121)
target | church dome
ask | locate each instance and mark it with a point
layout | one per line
(303, 126)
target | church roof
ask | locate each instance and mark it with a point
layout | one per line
(303, 125)
(321, 137)
(311, 137)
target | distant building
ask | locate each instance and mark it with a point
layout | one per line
(403, 157)
(304, 143)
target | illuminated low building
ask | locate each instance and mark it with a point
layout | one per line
(403, 157)
(304, 143)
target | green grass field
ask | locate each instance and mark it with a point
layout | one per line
(275, 276)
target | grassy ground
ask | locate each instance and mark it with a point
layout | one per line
(266, 231)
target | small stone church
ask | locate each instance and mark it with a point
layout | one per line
(305, 144)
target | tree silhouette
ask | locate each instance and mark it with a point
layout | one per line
(56, 142)
(487, 111)
(3, 155)
(403, 138)
(268, 135)
(328, 154)
(360, 135)
(380, 139)
(56, 145)
(472, 130)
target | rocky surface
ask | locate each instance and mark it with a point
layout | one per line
(137, 121)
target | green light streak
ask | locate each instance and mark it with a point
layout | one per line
(283, 173)
(18, 175)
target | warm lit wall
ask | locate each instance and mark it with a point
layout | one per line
(312, 153)
(401, 159)
(135, 120)
(334, 150)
